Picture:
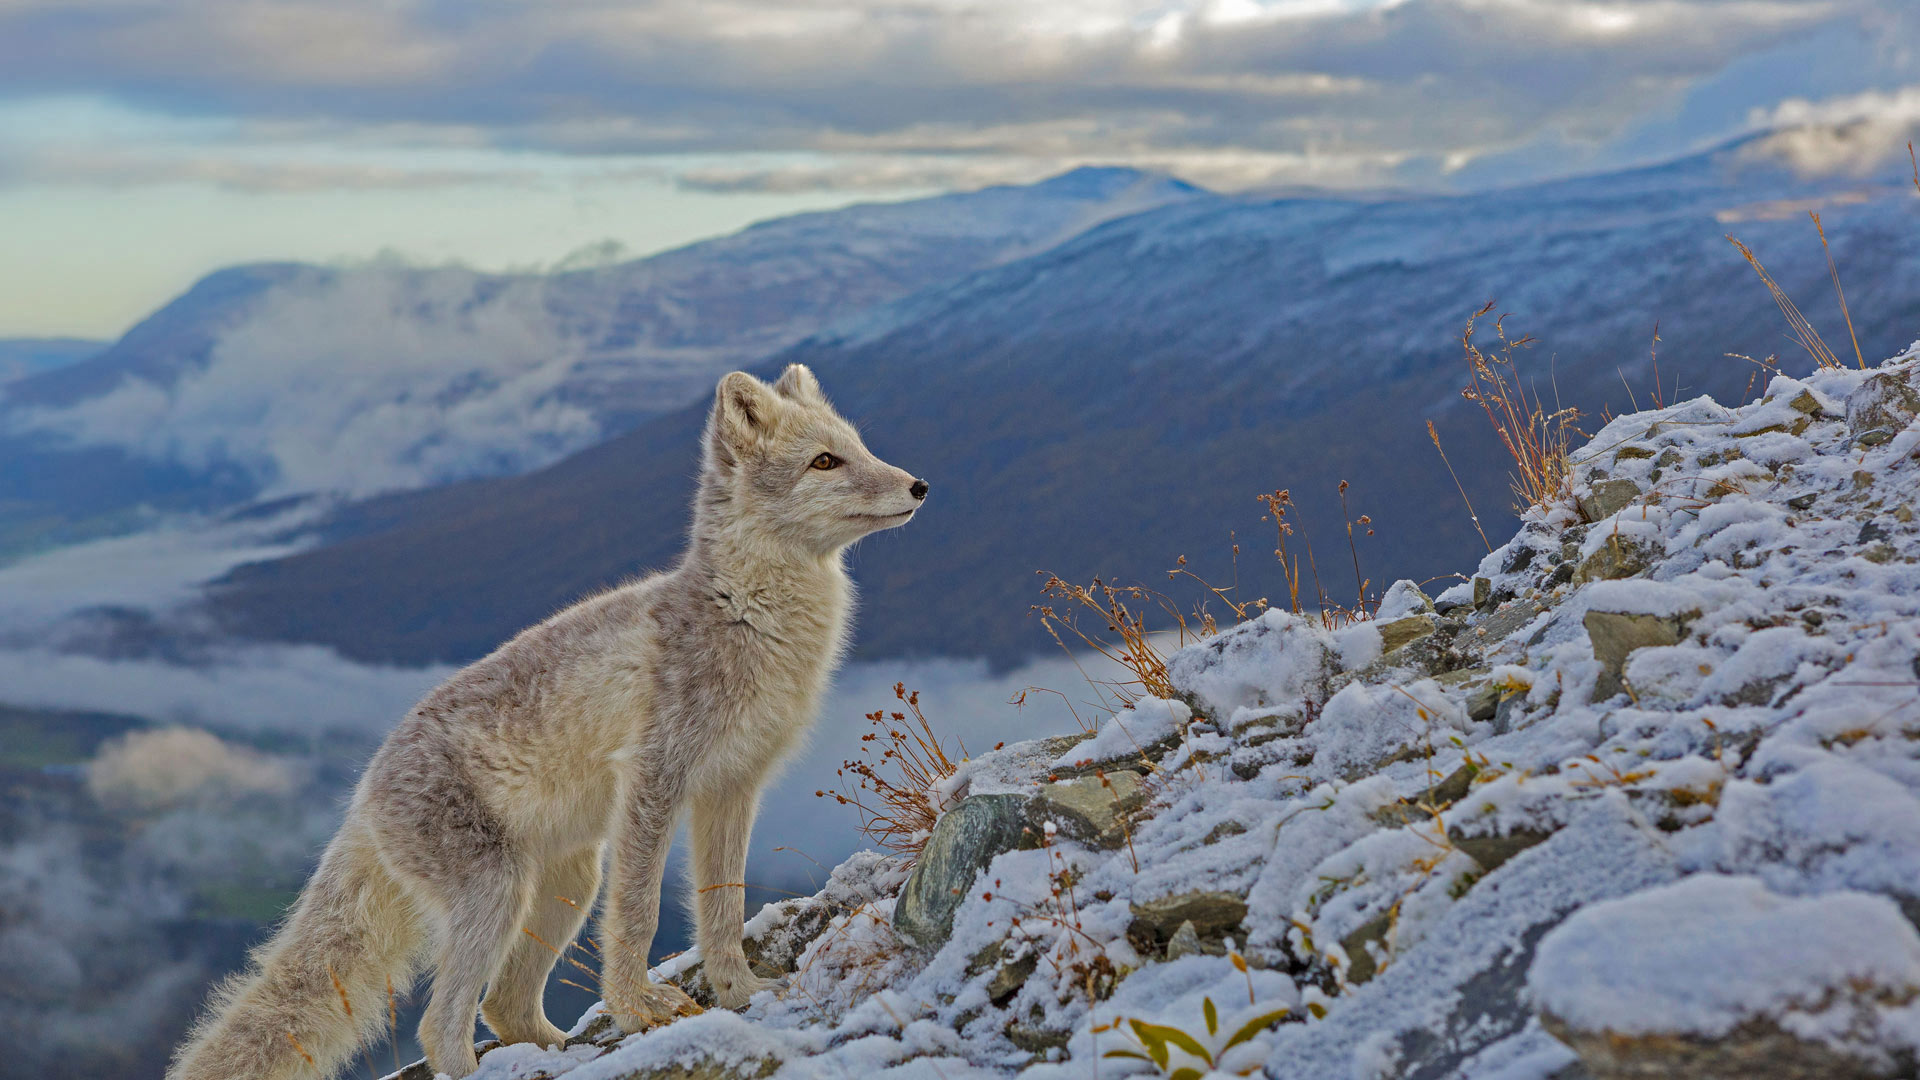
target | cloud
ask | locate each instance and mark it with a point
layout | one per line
(121, 169)
(379, 379)
(1346, 93)
(173, 767)
(1851, 135)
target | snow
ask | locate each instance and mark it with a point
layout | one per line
(1734, 838)
(1708, 953)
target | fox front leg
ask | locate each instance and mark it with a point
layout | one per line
(633, 914)
(722, 827)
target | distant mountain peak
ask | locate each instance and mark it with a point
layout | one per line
(1105, 181)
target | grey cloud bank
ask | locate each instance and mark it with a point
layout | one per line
(1430, 92)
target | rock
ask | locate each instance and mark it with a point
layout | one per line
(1361, 964)
(1882, 400)
(1095, 810)
(1214, 915)
(1494, 849)
(1483, 703)
(1874, 437)
(1755, 1051)
(1619, 557)
(1451, 789)
(1716, 978)
(1505, 621)
(1401, 632)
(1184, 942)
(1632, 452)
(1503, 714)
(1402, 599)
(1805, 402)
(1616, 634)
(1035, 1039)
(1607, 498)
(1803, 502)
(964, 841)
(1008, 980)
(1482, 592)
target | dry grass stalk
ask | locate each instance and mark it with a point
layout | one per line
(897, 811)
(1434, 434)
(1803, 331)
(1834, 271)
(1135, 651)
(1536, 439)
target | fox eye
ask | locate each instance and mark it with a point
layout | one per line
(826, 461)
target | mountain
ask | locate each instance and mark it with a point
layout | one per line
(20, 357)
(1116, 401)
(278, 380)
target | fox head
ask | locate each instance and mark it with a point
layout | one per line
(782, 467)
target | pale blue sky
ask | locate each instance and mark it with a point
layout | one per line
(144, 142)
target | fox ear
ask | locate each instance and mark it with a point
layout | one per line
(742, 415)
(798, 384)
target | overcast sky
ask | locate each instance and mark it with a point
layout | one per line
(143, 142)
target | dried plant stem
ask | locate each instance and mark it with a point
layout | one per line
(1536, 439)
(1803, 331)
(1834, 271)
(1434, 434)
(901, 812)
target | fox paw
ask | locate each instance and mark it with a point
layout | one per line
(650, 1005)
(735, 992)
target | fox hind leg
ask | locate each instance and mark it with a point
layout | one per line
(477, 926)
(559, 907)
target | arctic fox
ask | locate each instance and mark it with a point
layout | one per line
(502, 790)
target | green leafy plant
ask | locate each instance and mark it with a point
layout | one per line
(1179, 1054)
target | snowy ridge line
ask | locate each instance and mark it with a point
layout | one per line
(1641, 797)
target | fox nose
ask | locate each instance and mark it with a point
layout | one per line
(918, 490)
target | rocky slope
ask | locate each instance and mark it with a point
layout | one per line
(1640, 797)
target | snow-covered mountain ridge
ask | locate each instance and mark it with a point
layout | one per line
(1639, 797)
(274, 380)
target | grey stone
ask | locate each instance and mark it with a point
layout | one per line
(1403, 598)
(1035, 1039)
(1616, 634)
(1491, 850)
(1361, 963)
(1619, 557)
(1503, 714)
(1805, 402)
(1402, 632)
(1882, 400)
(1607, 498)
(1874, 437)
(1756, 1050)
(1214, 915)
(964, 841)
(1008, 980)
(1184, 942)
(1506, 620)
(1094, 810)
(1803, 502)
(1483, 703)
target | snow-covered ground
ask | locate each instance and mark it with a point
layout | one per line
(1640, 798)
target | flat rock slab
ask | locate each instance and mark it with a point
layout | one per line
(1095, 810)
(1616, 634)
